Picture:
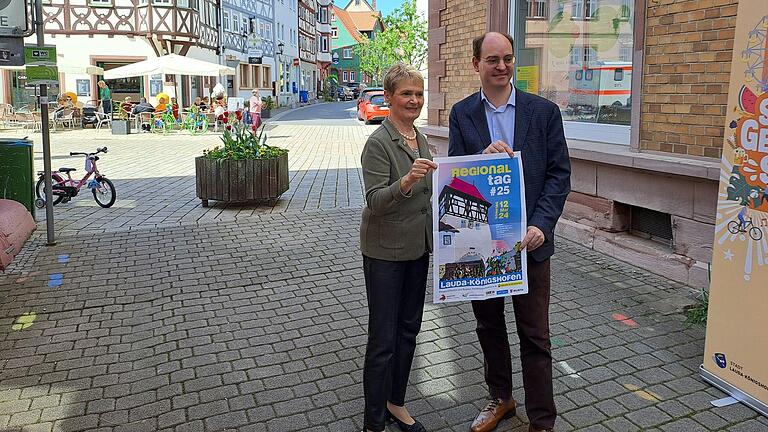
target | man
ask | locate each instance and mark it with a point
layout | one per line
(500, 118)
(142, 106)
(742, 218)
(105, 96)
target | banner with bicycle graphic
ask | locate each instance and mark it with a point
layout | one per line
(736, 350)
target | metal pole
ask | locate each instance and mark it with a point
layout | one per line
(51, 239)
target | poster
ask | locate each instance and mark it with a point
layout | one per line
(83, 87)
(479, 221)
(736, 348)
(527, 79)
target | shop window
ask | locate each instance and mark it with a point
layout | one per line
(266, 77)
(245, 72)
(587, 73)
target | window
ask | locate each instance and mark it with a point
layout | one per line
(334, 32)
(537, 9)
(255, 76)
(324, 15)
(324, 45)
(266, 76)
(245, 25)
(162, 2)
(182, 3)
(346, 53)
(352, 76)
(245, 75)
(590, 81)
(99, 3)
(235, 22)
(225, 20)
(446, 240)
(346, 76)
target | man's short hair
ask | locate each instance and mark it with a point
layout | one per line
(477, 43)
(398, 73)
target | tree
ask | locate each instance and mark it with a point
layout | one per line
(404, 39)
(408, 30)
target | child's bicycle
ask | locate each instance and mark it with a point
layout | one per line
(64, 189)
(163, 122)
(195, 122)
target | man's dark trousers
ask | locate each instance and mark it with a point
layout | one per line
(532, 322)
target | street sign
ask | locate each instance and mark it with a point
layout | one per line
(11, 51)
(42, 75)
(41, 56)
(13, 18)
(335, 58)
(254, 60)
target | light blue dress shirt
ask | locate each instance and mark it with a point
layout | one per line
(501, 120)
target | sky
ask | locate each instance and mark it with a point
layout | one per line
(387, 6)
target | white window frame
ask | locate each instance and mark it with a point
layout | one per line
(626, 5)
(346, 76)
(537, 9)
(577, 9)
(590, 9)
(162, 3)
(235, 22)
(335, 32)
(244, 22)
(99, 3)
(352, 76)
(225, 20)
(344, 52)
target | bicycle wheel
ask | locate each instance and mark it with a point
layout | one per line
(733, 227)
(40, 189)
(157, 126)
(104, 194)
(756, 233)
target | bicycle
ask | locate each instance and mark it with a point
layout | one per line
(163, 122)
(195, 122)
(64, 189)
(734, 227)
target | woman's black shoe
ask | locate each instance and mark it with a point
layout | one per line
(415, 427)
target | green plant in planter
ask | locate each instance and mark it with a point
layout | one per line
(123, 108)
(241, 142)
(268, 103)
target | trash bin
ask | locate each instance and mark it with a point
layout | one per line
(304, 96)
(16, 170)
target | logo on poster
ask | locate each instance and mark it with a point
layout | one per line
(720, 360)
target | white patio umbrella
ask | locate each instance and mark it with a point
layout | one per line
(171, 64)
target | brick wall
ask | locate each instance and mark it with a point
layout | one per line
(686, 73)
(461, 21)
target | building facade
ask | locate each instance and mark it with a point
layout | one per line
(349, 28)
(287, 34)
(114, 33)
(248, 45)
(642, 88)
(324, 12)
(308, 74)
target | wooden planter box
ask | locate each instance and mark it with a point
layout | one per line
(241, 180)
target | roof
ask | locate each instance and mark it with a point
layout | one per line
(348, 23)
(365, 21)
(467, 188)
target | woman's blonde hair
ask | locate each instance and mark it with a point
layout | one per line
(398, 73)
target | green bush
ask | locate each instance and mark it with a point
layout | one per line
(243, 142)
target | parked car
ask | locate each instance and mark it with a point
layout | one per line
(373, 107)
(343, 93)
(365, 91)
(355, 87)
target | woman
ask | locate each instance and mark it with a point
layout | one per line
(254, 107)
(396, 239)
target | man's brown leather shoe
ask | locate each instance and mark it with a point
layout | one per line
(532, 428)
(493, 413)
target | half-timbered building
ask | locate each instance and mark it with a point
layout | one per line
(248, 42)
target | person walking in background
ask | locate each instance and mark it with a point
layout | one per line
(254, 108)
(498, 119)
(105, 97)
(395, 239)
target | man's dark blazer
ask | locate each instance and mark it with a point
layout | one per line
(539, 136)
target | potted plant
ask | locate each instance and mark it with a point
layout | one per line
(121, 124)
(244, 168)
(267, 107)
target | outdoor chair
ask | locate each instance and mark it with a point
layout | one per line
(64, 118)
(103, 119)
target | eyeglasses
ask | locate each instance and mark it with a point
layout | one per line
(494, 61)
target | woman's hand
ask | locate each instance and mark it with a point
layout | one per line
(420, 168)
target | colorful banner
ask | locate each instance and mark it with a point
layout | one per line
(527, 79)
(736, 350)
(479, 221)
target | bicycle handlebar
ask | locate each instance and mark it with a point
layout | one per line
(98, 150)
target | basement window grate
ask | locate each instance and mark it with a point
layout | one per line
(651, 224)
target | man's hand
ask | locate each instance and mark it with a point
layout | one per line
(533, 239)
(499, 146)
(420, 168)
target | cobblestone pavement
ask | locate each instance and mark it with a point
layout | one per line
(259, 325)
(159, 315)
(154, 175)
